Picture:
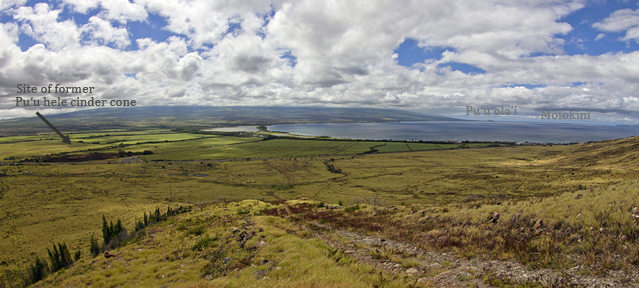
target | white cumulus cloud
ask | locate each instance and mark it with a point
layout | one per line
(621, 20)
(41, 23)
(100, 31)
(307, 52)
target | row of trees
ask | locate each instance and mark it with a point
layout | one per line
(59, 257)
(156, 216)
(113, 236)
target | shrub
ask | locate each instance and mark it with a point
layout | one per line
(352, 208)
(270, 212)
(243, 211)
(197, 231)
(285, 187)
(206, 241)
(332, 169)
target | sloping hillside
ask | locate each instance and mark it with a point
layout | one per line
(578, 239)
(619, 153)
(585, 233)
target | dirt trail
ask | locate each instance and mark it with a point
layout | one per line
(437, 269)
(131, 159)
(290, 178)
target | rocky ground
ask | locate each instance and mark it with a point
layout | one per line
(438, 269)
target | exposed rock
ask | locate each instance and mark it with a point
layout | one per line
(260, 273)
(236, 266)
(444, 274)
(412, 271)
(538, 224)
(464, 276)
(515, 218)
(470, 273)
(373, 241)
(494, 217)
(472, 270)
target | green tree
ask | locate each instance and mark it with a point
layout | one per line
(94, 248)
(37, 270)
(59, 257)
(106, 232)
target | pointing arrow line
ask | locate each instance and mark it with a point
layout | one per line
(65, 139)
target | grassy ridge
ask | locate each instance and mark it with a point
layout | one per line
(280, 254)
(596, 230)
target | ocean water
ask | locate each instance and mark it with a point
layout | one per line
(235, 129)
(465, 130)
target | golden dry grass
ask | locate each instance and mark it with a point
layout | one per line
(54, 203)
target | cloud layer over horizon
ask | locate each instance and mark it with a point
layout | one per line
(430, 56)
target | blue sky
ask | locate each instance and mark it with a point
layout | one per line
(581, 40)
(431, 56)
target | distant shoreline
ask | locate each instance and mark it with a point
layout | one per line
(463, 131)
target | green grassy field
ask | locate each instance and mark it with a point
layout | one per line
(260, 149)
(159, 141)
(42, 204)
(169, 145)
